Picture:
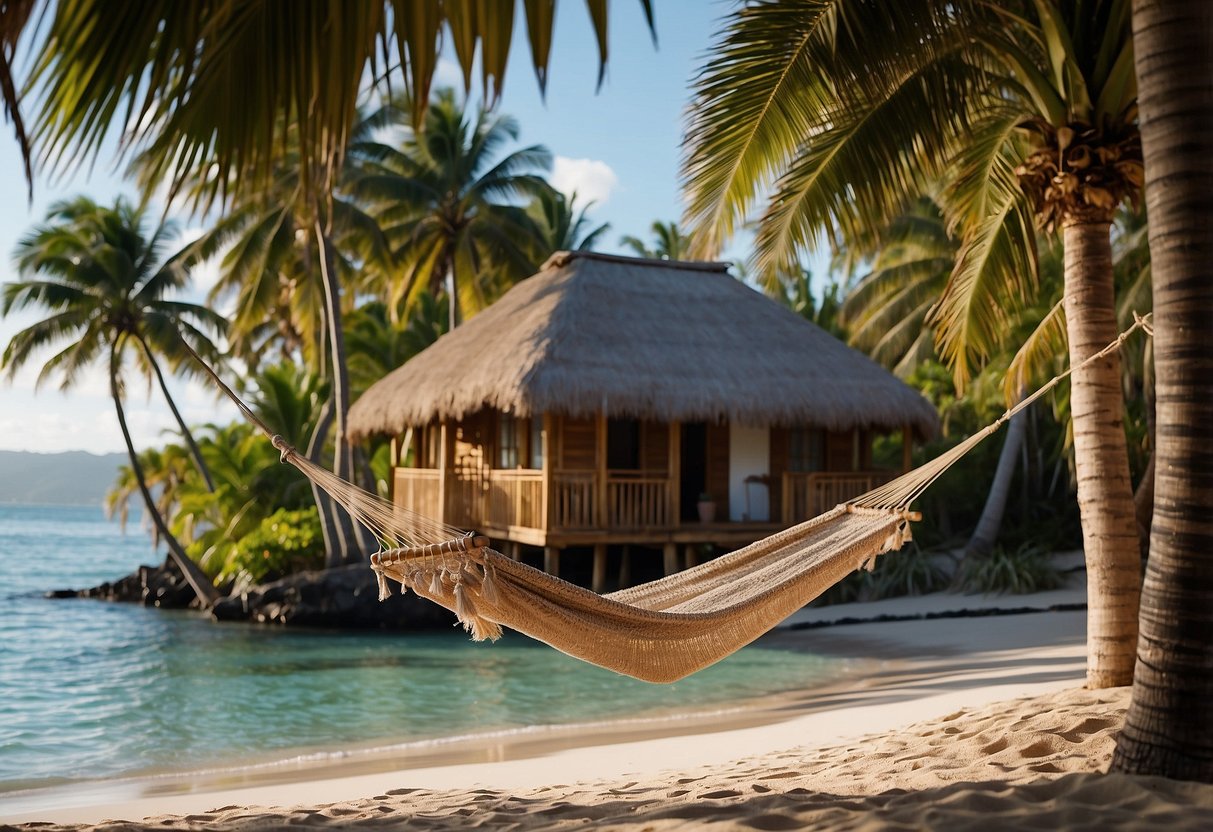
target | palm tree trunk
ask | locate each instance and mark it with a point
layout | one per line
(195, 452)
(1105, 493)
(324, 505)
(986, 533)
(1169, 727)
(341, 386)
(196, 578)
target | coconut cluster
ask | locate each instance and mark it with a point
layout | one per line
(1079, 173)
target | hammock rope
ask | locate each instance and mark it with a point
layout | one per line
(663, 630)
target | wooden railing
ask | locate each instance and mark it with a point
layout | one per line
(574, 500)
(515, 498)
(638, 500)
(806, 495)
(633, 499)
(417, 489)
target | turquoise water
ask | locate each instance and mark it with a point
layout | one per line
(90, 689)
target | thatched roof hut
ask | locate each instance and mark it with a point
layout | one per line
(644, 339)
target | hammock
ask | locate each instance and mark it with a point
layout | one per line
(660, 631)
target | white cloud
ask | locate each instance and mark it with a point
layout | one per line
(591, 179)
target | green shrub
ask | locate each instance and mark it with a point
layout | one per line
(911, 571)
(284, 542)
(1009, 572)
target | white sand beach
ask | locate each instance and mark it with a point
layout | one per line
(952, 720)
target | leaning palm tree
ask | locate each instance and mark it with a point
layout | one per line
(1169, 728)
(448, 203)
(108, 290)
(1018, 112)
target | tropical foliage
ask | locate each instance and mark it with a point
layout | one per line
(450, 208)
(111, 296)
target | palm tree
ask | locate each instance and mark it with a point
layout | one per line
(377, 345)
(285, 259)
(669, 243)
(563, 224)
(194, 80)
(1013, 113)
(1169, 727)
(885, 312)
(447, 203)
(105, 284)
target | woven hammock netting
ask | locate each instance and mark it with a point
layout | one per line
(660, 631)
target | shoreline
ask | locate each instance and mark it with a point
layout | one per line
(919, 669)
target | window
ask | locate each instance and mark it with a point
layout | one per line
(507, 441)
(806, 449)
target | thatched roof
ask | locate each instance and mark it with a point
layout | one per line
(648, 339)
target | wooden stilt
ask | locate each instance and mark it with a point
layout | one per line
(692, 555)
(600, 566)
(551, 561)
(515, 550)
(625, 567)
(670, 553)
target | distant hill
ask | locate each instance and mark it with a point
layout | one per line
(68, 478)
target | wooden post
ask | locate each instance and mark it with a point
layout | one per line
(600, 567)
(907, 448)
(692, 555)
(551, 561)
(443, 470)
(675, 474)
(515, 550)
(625, 567)
(394, 463)
(600, 457)
(549, 462)
(670, 558)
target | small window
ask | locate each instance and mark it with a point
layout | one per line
(536, 442)
(507, 442)
(806, 449)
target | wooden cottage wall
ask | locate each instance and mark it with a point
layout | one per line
(654, 446)
(717, 479)
(578, 444)
(840, 451)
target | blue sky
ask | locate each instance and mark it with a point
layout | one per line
(619, 147)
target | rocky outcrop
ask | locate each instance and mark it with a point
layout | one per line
(153, 586)
(345, 597)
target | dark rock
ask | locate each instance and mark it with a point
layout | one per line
(153, 586)
(345, 597)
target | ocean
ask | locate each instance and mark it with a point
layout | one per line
(93, 690)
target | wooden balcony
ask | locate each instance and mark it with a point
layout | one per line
(806, 495)
(522, 505)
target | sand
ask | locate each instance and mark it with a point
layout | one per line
(961, 724)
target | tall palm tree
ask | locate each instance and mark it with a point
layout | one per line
(1169, 727)
(109, 290)
(669, 242)
(286, 257)
(448, 204)
(1025, 112)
